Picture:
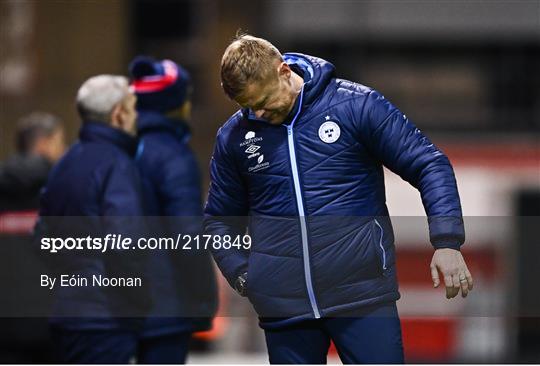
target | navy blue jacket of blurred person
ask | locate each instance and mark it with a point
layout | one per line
(95, 189)
(40, 143)
(183, 283)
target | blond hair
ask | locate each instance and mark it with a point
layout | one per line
(246, 59)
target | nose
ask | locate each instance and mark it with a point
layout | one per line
(259, 113)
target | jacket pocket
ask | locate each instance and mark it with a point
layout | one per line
(378, 243)
(275, 285)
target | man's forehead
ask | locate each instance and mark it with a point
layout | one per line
(255, 92)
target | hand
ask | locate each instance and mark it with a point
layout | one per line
(240, 285)
(451, 264)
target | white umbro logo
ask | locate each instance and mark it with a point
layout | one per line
(329, 132)
(252, 148)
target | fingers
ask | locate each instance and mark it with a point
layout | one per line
(454, 271)
(469, 279)
(435, 276)
(451, 292)
(455, 281)
(462, 280)
(449, 283)
(454, 290)
(464, 283)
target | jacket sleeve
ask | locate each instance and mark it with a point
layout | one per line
(123, 213)
(180, 192)
(401, 147)
(226, 209)
(122, 190)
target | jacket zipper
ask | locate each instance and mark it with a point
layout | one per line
(301, 213)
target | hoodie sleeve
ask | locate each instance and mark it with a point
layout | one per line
(400, 146)
(226, 209)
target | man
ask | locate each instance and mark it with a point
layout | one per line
(304, 159)
(95, 190)
(40, 143)
(182, 282)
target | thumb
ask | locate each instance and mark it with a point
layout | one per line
(435, 276)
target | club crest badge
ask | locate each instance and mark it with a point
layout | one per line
(329, 132)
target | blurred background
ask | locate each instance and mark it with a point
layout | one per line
(466, 72)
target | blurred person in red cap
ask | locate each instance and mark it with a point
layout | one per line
(182, 282)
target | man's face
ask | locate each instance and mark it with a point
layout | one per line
(272, 98)
(57, 145)
(52, 146)
(128, 115)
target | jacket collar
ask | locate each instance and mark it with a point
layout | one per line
(316, 72)
(149, 121)
(93, 131)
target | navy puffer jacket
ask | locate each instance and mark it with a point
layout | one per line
(95, 190)
(313, 193)
(182, 282)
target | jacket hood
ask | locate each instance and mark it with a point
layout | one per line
(149, 121)
(315, 71)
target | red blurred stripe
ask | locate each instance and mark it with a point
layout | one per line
(507, 155)
(425, 339)
(17, 222)
(429, 339)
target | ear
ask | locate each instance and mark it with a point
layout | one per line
(116, 116)
(284, 70)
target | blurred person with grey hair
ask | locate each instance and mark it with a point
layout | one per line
(40, 143)
(39, 140)
(108, 99)
(97, 178)
(41, 134)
